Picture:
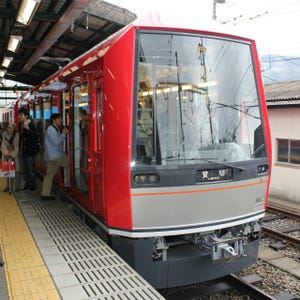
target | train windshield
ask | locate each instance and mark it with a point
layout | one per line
(197, 101)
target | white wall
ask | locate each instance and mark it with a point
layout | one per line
(285, 180)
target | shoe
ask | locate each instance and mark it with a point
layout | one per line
(32, 189)
(25, 189)
(47, 198)
(6, 190)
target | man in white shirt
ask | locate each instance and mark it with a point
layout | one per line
(54, 155)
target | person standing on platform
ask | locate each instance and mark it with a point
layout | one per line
(28, 148)
(54, 155)
(10, 151)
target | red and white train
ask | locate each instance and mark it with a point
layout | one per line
(169, 147)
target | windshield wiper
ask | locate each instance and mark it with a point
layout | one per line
(259, 149)
(209, 160)
(233, 166)
(224, 164)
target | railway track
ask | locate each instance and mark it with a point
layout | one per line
(282, 236)
(283, 233)
(220, 287)
(248, 288)
(285, 212)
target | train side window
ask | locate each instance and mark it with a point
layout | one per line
(66, 118)
(81, 137)
(46, 109)
(38, 121)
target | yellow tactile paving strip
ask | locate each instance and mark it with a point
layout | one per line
(26, 273)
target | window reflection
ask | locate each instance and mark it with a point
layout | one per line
(197, 101)
(81, 141)
(145, 129)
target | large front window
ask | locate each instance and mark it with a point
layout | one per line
(197, 101)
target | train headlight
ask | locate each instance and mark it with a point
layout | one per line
(146, 179)
(262, 168)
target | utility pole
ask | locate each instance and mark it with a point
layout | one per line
(215, 7)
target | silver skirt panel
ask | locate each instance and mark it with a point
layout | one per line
(198, 205)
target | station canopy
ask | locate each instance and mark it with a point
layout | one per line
(59, 31)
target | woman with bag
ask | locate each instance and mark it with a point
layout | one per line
(10, 148)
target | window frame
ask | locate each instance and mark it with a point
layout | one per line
(289, 158)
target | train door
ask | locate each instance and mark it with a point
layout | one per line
(38, 117)
(81, 138)
(97, 173)
(65, 110)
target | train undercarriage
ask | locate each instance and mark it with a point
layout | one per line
(185, 259)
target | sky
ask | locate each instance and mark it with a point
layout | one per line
(273, 24)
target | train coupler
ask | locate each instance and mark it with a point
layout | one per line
(160, 249)
(227, 250)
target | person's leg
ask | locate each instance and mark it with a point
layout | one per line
(64, 162)
(24, 171)
(31, 172)
(7, 186)
(47, 182)
(11, 184)
(18, 180)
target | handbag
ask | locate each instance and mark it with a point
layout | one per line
(8, 167)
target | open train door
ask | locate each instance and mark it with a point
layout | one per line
(97, 161)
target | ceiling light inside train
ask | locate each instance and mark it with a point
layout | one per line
(184, 87)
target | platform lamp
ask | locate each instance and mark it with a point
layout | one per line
(2, 73)
(27, 10)
(14, 42)
(7, 61)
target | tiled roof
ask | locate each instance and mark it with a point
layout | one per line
(283, 93)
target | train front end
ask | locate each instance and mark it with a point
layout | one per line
(201, 157)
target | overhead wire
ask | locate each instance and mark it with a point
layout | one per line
(274, 80)
(277, 8)
(273, 60)
(277, 57)
(281, 58)
(269, 10)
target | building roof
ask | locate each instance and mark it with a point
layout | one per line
(283, 93)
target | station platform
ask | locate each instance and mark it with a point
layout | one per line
(49, 253)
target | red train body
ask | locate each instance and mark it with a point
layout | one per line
(180, 197)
